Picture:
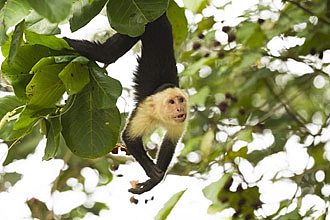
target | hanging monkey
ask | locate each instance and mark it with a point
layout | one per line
(159, 100)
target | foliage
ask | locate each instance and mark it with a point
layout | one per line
(241, 91)
(169, 205)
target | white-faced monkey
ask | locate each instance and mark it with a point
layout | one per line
(159, 101)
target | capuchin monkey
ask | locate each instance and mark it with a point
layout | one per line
(159, 100)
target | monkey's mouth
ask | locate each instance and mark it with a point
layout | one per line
(180, 118)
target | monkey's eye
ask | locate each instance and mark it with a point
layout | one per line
(181, 99)
(171, 101)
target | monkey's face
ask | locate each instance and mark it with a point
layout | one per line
(176, 108)
(170, 106)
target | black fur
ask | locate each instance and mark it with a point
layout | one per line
(108, 52)
(165, 154)
(157, 65)
(156, 72)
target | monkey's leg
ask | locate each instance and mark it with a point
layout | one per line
(108, 52)
(135, 147)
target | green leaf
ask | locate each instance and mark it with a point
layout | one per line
(45, 88)
(84, 11)
(205, 24)
(107, 89)
(313, 40)
(29, 116)
(169, 205)
(251, 35)
(245, 134)
(75, 76)
(200, 97)
(3, 35)
(16, 41)
(8, 111)
(38, 24)
(48, 41)
(8, 104)
(195, 6)
(317, 152)
(14, 12)
(2, 3)
(179, 24)
(206, 143)
(232, 155)
(212, 191)
(25, 146)
(196, 66)
(130, 16)
(53, 136)
(17, 74)
(91, 125)
(54, 11)
(102, 165)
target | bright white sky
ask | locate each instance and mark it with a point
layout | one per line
(39, 175)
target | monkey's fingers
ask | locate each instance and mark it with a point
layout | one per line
(121, 145)
(144, 187)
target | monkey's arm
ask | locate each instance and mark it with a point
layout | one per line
(164, 158)
(135, 147)
(107, 52)
(165, 154)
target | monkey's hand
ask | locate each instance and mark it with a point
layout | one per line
(140, 188)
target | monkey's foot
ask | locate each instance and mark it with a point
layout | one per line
(145, 186)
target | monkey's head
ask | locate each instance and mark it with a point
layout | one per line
(172, 106)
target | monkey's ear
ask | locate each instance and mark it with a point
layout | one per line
(151, 104)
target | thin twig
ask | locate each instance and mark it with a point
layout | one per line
(286, 106)
(307, 10)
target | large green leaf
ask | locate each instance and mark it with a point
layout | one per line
(169, 205)
(130, 16)
(107, 90)
(29, 116)
(51, 42)
(45, 88)
(14, 12)
(54, 11)
(18, 73)
(38, 24)
(75, 75)
(89, 130)
(84, 11)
